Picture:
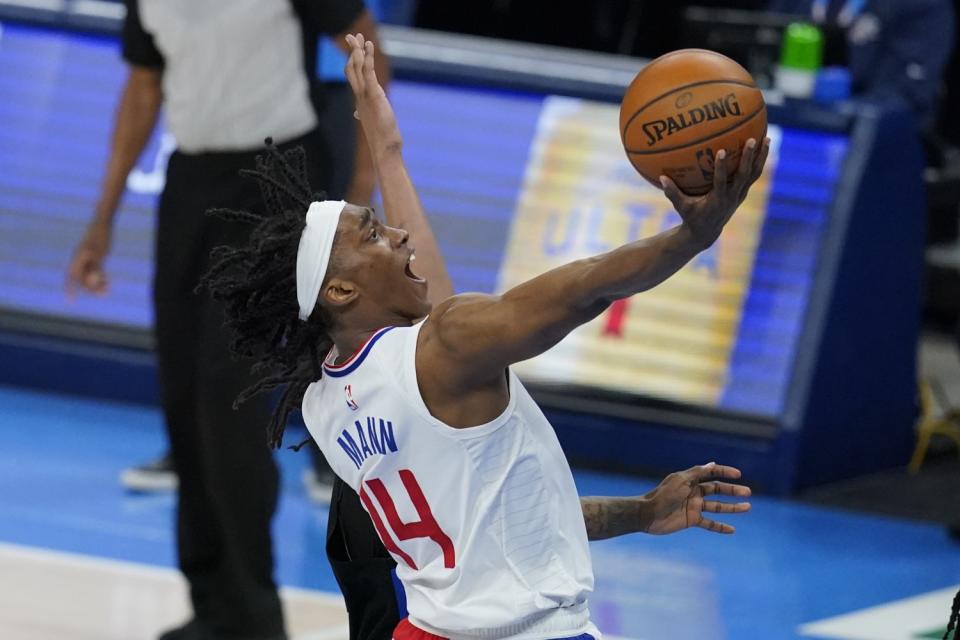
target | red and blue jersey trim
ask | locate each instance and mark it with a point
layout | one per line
(355, 360)
(407, 631)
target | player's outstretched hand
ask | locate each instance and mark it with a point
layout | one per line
(680, 501)
(706, 215)
(373, 108)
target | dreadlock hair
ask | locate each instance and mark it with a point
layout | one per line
(257, 285)
(952, 624)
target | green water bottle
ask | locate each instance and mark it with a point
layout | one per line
(800, 60)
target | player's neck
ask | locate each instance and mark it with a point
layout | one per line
(351, 337)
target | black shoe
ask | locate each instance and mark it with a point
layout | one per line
(155, 476)
(954, 531)
(192, 630)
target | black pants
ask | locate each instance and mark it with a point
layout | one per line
(362, 566)
(228, 479)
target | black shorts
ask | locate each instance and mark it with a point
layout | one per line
(363, 568)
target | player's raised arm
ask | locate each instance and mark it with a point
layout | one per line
(469, 340)
(401, 204)
(362, 182)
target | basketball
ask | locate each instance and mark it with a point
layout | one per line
(682, 109)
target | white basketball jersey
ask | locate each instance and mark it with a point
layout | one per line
(484, 522)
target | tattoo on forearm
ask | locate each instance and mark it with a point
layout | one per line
(611, 517)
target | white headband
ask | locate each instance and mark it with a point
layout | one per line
(313, 255)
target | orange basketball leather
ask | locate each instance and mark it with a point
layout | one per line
(684, 107)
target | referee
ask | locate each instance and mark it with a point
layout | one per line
(228, 74)
(897, 50)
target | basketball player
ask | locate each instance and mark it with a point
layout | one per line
(459, 470)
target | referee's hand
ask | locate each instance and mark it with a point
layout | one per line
(86, 267)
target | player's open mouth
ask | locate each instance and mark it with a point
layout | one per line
(409, 272)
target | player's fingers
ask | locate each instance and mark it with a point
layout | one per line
(356, 84)
(714, 526)
(745, 169)
(724, 471)
(725, 489)
(720, 170)
(355, 52)
(672, 191)
(760, 161)
(713, 506)
(350, 71)
(361, 55)
(369, 71)
(714, 470)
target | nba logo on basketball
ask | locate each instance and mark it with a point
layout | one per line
(705, 161)
(350, 401)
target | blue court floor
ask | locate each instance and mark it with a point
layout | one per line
(788, 565)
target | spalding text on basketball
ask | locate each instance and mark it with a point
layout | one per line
(725, 107)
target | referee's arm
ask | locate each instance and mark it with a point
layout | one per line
(134, 120)
(137, 112)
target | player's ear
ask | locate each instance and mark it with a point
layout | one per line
(340, 292)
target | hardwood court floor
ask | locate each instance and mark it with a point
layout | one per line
(51, 595)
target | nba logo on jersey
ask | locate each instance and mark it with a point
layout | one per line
(350, 401)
